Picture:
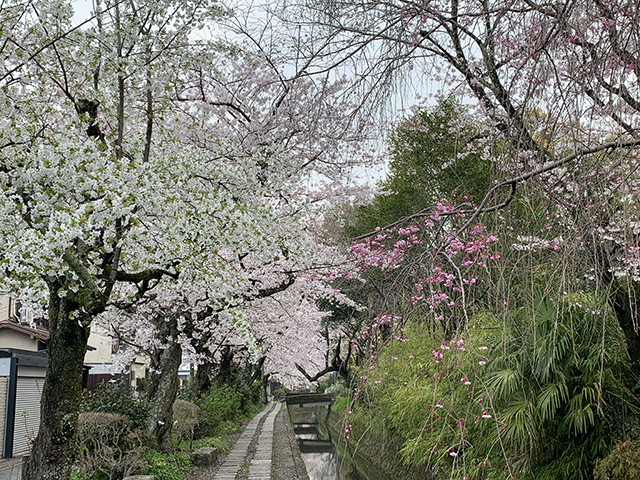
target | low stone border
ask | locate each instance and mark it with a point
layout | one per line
(205, 456)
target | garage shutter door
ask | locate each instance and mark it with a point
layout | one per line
(28, 392)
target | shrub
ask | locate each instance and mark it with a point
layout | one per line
(623, 463)
(77, 475)
(185, 416)
(337, 387)
(190, 392)
(279, 394)
(108, 445)
(114, 398)
(543, 399)
(341, 404)
(219, 409)
(220, 443)
(256, 394)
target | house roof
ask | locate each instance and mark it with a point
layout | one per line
(26, 358)
(39, 333)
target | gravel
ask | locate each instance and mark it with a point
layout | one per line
(287, 461)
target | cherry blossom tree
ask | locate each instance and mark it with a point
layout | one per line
(131, 153)
(192, 320)
(274, 324)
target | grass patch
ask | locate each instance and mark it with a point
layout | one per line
(166, 467)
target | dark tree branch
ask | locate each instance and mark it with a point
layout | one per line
(512, 184)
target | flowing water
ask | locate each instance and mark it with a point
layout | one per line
(322, 459)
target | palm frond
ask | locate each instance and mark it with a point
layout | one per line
(505, 382)
(551, 397)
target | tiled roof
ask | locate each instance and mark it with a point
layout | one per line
(39, 333)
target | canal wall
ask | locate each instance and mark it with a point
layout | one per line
(375, 457)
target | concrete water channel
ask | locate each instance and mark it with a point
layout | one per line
(309, 415)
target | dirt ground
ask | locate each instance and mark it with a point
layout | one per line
(287, 461)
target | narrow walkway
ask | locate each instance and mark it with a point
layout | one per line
(260, 465)
(260, 468)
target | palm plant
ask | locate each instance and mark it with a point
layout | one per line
(539, 395)
(556, 375)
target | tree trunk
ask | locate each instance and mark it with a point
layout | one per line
(225, 374)
(163, 387)
(203, 378)
(55, 447)
(625, 306)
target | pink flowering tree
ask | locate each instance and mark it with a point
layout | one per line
(543, 258)
(499, 359)
(555, 87)
(511, 307)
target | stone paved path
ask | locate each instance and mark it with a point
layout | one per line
(259, 429)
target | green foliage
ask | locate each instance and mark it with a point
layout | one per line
(280, 394)
(623, 463)
(114, 398)
(539, 395)
(256, 394)
(569, 359)
(336, 385)
(189, 392)
(218, 442)
(341, 404)
(432, 156)
(222, 410)
(78, 475)
(166, 467)
(222, 404)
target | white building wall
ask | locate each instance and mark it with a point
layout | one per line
(4, 307)
(101, 358)
(13, 339)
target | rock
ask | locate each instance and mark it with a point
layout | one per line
(205, 456)
(139, 477)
